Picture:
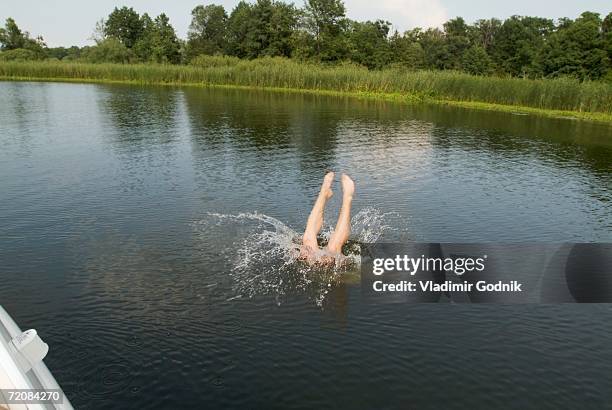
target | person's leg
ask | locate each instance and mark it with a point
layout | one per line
(343, 226)
(315, 219)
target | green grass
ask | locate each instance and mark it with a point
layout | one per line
(558, 97)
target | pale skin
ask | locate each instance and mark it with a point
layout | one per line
(310, 247)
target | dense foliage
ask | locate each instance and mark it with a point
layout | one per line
(397, 83)
(520, 46)
(16, 44)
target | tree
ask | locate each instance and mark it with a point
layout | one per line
(110, 50)
(143, 47)
(239, 30)
(261, 29)
(369, 44)
(166, 46)
(19, 54)
(282, 23)
(517, 44)
(406, 49)
(12, 38)
(434, 47)
(98, 35)
(577, 49)
(457, 42)
(606, 31)
(125, 25)
(207, 32)
(326, 23)
(145, 38)
(476, 61)
(484, 32)
(59, 52)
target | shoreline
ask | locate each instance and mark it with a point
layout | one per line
(396, 97)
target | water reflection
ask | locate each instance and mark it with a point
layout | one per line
(558, 143)
(264, 125)
(26, 112)
(139, 116)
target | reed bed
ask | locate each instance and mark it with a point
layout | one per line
(562, 94)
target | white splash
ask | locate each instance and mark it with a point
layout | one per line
(265, 260)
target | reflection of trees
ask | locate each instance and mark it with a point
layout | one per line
(263, 142)
(264, 122)
(249, 130)
(145, 129)
(30, 108)
(552, 139)
(140, 116)
(560, 143)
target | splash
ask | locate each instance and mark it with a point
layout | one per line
(265, 261)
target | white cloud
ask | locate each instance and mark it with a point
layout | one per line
(403, 14)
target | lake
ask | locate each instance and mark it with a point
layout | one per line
(123, 211)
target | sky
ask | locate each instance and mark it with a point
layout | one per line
(71, 22)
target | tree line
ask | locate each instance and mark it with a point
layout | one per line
(519, 46)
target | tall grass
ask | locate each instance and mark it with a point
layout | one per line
(558, 94)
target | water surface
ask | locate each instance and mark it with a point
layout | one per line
(108, 247)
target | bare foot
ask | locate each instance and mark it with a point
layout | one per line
(348, 186)
(326, 190)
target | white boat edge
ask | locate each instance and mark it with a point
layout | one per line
(12, 375)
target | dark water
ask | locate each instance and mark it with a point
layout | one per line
(106, 247)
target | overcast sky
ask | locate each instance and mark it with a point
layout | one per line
(71, 22)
